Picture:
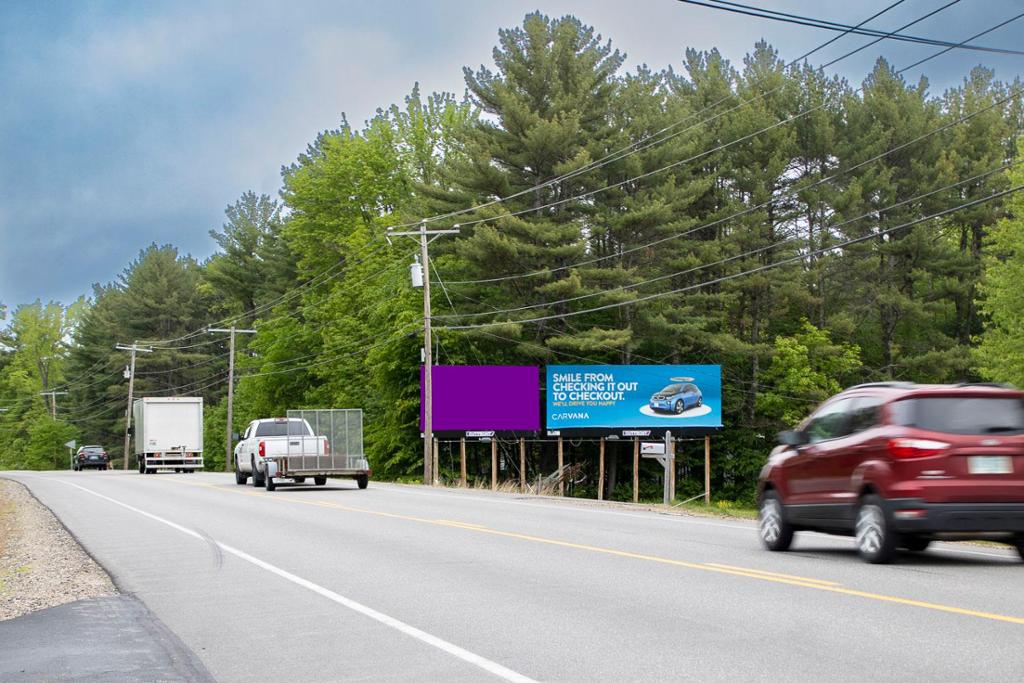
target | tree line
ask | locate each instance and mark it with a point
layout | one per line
(802, 231)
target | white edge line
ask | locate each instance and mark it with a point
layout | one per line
(409, 630)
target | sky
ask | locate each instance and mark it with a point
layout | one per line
(126, 124)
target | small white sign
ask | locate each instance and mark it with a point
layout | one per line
(652, 448)
(70, 444)
(480, 434)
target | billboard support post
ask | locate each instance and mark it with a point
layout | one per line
(600, 473)
(462, 462)
(636, 469)
(522, 465)
(494, 464)
(707, 470)
(669, 466)
(561, 468)
(435, 475)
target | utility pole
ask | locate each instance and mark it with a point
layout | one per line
(231, 387)
(428, 394)
(134, 348)
(53, 400)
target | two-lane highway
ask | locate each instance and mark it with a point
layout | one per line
(333, 583)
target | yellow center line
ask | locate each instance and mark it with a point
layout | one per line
(767, 573)
(816, 584)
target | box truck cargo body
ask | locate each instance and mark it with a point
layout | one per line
(168, 433)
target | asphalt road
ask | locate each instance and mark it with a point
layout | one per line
(402, 583)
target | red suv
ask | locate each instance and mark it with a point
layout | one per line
(897, 465)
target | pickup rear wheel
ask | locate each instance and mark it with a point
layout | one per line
(269, 481)
(320, 481)
(240, 476)
(776, 532)
(1019, 543)
(257, 479)
(363, 481)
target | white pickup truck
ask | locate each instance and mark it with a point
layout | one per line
(286, 448)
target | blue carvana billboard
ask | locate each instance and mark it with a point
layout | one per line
(655, 396)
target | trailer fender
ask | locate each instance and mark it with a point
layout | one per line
(270, 468)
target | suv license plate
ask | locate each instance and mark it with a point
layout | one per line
(989, 464)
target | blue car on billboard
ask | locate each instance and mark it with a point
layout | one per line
(676, 398)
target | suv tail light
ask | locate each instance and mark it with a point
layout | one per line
(263, 449)
(904, 449)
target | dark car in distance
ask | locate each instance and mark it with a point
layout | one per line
(90, 457)
(897, 465)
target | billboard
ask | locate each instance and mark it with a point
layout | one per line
(484, 397)
(616, 396)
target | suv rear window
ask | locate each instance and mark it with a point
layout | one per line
(964, 415)
(289, 428)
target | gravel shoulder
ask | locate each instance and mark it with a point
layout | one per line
(41, 564)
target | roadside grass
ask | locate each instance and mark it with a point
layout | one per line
(719, 508)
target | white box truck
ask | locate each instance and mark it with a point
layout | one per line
(168, 433)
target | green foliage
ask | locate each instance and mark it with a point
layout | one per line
(1001, 352)
(756, 164)
(806, 367)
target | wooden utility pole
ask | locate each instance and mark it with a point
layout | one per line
(53, 400)
(228, 451)
(462, 462)
(494, 464)
(522, 465)
(707, 470)
(636, 469)
(134, 348)
(561, 467)
(600, 473)
(428, 395)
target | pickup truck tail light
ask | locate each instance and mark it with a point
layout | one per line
(904, 449)
(263, 449)
(327, 447)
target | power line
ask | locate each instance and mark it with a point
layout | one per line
(794, 190)
(747, 254)
(748, 10)
(725, 278)
(634, 147)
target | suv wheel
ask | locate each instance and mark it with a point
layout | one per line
(776, 532)
(1019, 543)
(876, 541)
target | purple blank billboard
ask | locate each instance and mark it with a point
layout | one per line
(484, 397)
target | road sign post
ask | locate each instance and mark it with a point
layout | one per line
(665, 453)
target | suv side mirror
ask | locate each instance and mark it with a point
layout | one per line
(792, 437)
